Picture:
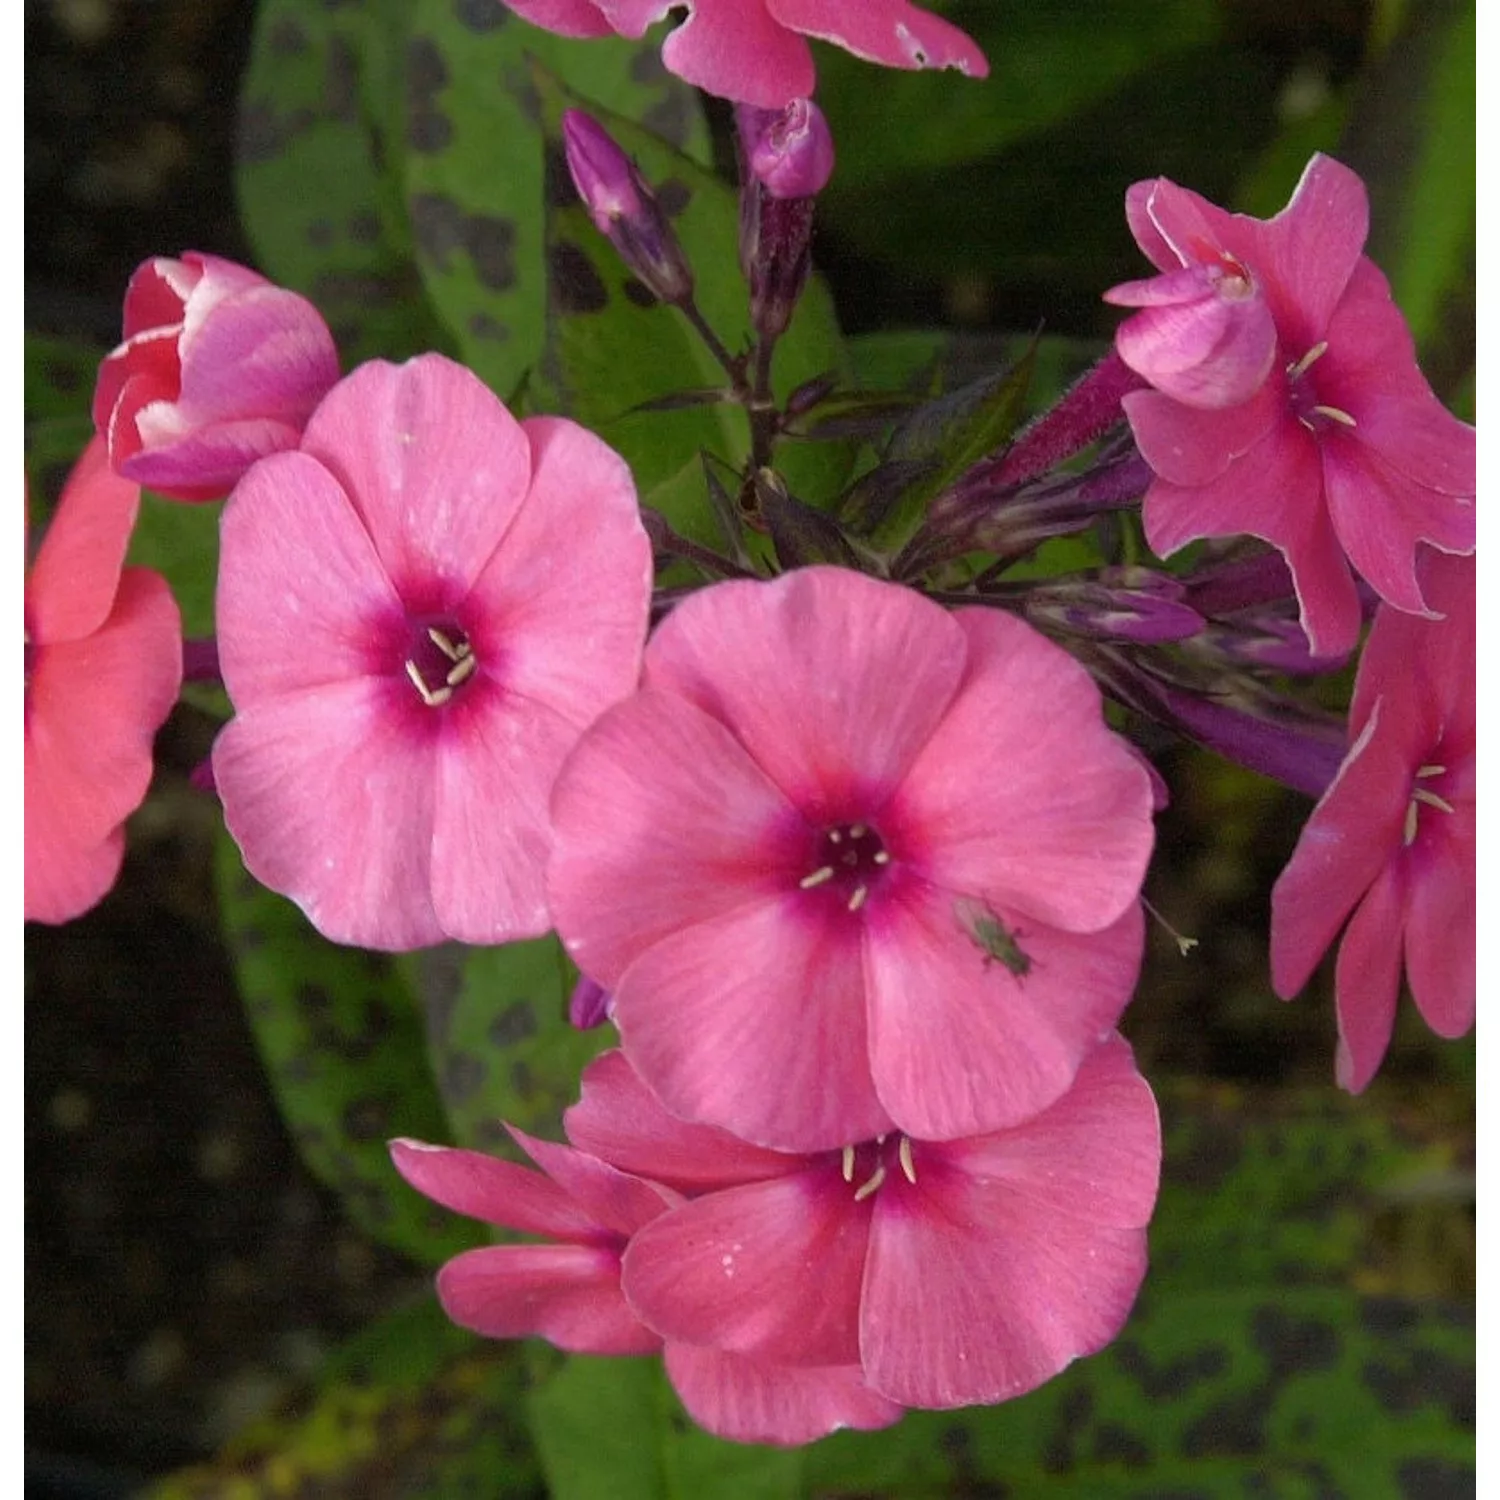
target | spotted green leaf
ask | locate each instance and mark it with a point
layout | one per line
(498, 1037)
(317, 178)
(472, 155)
(181, 542)
(57, 392)
(411, 1409)
(341, 1040)
(611, 348)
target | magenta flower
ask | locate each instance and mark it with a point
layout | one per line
(952, 1273)
(1335, 451)
(103, 666)
(756, 51)
(850, 864)
(419, 613)
(567, 1289)
(1392, 840)
(218, 368)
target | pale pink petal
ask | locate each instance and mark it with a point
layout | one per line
(495, 758)
(755, 1021)
(614, 1200)
(1063, 831)
(495, 1191)
(198, 463)
(977, 1291)
(884, 31)
(565, 17)
(435, 466)
(93, 707)
(157, 293)
(1366, 979)
(661, 821)
(750, 1400)
(832, 681)
(618, 1119)
(959, 1044)
(1380, 516)
(1352, 833)
(1096, 1153)
(330, 798)
(1173, 225)
(285, 626)
(632, 17)
(199, 282)
(71, 587)
(147, 361)
(769, 1268)
(1306, 255)
(566, 1294)
(1441, 923)
(1190, 447)
(561, 606)
(733, 49)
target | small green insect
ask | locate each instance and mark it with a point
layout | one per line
(997, 942)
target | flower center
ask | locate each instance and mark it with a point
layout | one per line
(866, 1167)
(1313, 414)
(1422, 794)
(439, 659)
(848, 859)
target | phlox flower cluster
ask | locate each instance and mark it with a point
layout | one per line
(1286, 402)
(795, 1293)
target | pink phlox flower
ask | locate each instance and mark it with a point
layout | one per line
(756, 51)
(218, 368)
(419, 612)
(849, 863)
(566, 1289)
(1390, 847)
(952, 1273)
(103, 667)
(1340, 454)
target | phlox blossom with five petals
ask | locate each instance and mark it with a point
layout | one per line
(849, 863)
(755, 51)
(419, 612)
(1324, 440)
(1390, 847)
(103, 667)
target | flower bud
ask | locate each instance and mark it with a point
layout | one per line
(218, 368)
(788, 151)
(624, 209)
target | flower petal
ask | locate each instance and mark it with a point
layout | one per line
(565, 17)
(614, 1200)
(330, 797)
(735, 50)
(1191, 446)
(64, 878)
(1023, 796)
(435, 466)
(884, 31)
(959, 1044)
(1441, 925)
(769, 1268)
(566, 1294)
(1366, 979)
(832, 681)
(755, 1021)
(618, 1119)
(751, 1400)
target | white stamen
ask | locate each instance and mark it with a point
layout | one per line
(834, 836)
(462, 669)
(1308, 360)
(881, 857)
(429, 697)
(857, 830)
(866, 1188)
(908, 1167)
(848, 1164)
(1421, 794)
(857, 900)
(443, 644)
(1335, 415)
(1424, 771)
(816, 878)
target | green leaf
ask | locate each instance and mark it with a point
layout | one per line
(181, 541)
(413, 1407)
(320, 135)
(499, 1039)
(57, 393)
(610, 349)
(614, 1427)
(341, 1041)
(473, 164)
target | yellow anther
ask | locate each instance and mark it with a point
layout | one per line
(866, 1188)
(441, 641)
(848, 1164)
(432, 698)
(1308, 360)
(816, 878)
(462, 669)
(1335, 415)
(908, 1166)
(857, 900)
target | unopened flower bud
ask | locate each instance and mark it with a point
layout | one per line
(589, 1005)
(788, 151)
(624, 209)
